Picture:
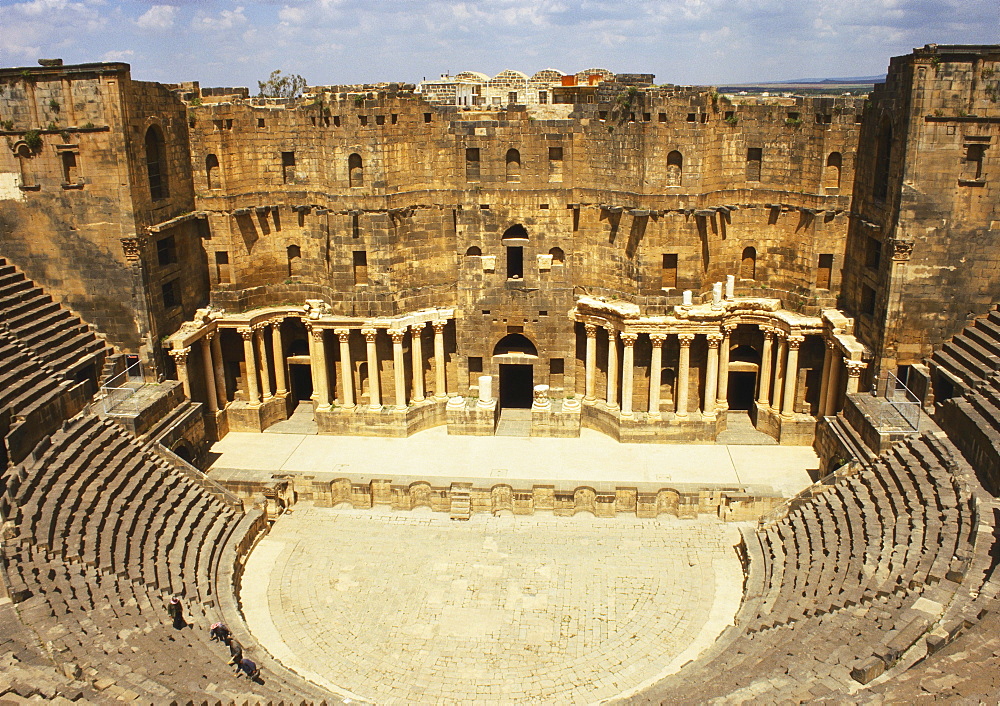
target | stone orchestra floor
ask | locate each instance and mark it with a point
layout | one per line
(593, 458)
(401, 608)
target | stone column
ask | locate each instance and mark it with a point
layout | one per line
(260, 338)
(250, 362)
(346, 367)
(628, 371)
(317, 360)
(722, 397)
(220, 371)
(854, 370)
(712, 374)
(180, 356)
(417, 355)
(683, 369)
(833, 395)
(591, 366)
(824, 391)
(398, 372)
(764, 379)
(211, 397)
(374, 391)
(612, 396)
(791, 377)
(439, 373)
(278, 350)
(779, 370)
(655, 371)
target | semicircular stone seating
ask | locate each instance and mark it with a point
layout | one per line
(888, 565)
(98, 532)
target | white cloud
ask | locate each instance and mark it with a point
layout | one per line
(117, 55)
(291, 15)
(226, 19)
(158, 17)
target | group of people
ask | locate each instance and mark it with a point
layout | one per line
(244, 666)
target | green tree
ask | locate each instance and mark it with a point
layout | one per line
(279, 86)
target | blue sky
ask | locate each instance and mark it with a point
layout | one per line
(221, 42)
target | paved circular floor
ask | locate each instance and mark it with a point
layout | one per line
(416, 608)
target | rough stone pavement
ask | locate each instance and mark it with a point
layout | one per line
(416, 608)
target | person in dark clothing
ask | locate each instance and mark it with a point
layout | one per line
(220, 632)
(176, 612)
(235, 652)
(248, 668)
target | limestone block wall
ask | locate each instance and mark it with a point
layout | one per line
(75, 200)
(922, 245)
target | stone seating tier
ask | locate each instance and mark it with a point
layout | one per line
(843, 578)
(59, 338)
(101, 533)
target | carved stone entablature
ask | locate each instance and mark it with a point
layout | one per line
(132, 247)
(901, 250)
(620, 309)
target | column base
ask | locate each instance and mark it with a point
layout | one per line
(374, 408)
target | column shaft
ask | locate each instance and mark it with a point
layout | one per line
(612, 396)
(722, 397)
(265, 373)
(712, 374)
(321, 383)
(779, 374)
(439, 372)
(211, 397)
(833, 394)
(278, 351)
(220, 371)
(346, 367)
(398, 371)
(374, 389)
(764, 379)
(854, 370)
(417, 354)
(628, 372)
(183, 374)
(591, 364)
(250, 362)
(655, 372)
(824, 391)
(791, 377)
(683, 369)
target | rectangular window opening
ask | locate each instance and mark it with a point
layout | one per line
(288, 167)
(171, 293)
(360, 258)
(222, 266)
(166, 251)
(668, 279)
(755, 156)
(515, 262)
(873, 253)
(824, 272)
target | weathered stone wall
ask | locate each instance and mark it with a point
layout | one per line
(74, 184)
(934, 223)
(598, 194)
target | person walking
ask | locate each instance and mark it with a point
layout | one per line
(220, 632)
(235, 652)
(248, 668)
(176, 612)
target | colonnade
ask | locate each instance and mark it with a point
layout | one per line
(777, 380)
(716, 380)
(263, 340)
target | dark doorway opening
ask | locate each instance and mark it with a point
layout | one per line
(516, 384)
(302, 382)
(742, 386)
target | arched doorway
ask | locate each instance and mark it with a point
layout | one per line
(514, 355)
(744, 363)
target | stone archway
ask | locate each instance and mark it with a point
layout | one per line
(514, 357)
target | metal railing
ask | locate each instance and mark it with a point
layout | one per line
(805, 495)
(902, 409)
(117, 393)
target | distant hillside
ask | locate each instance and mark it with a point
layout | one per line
(850, 80)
